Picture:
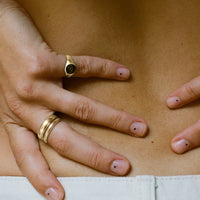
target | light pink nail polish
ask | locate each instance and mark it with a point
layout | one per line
(123, 72)
(181, 146)
(173, 102)
(138, 129)
(52, 194)
(120, 167)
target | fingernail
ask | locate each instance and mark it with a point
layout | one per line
(181, 146)
(173, 102)
(52, 194)
(123, 72)
(138, 129)
(120, 167)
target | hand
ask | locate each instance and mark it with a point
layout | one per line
(31, 89)
(189, 138)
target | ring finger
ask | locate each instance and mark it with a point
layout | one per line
(76, 146)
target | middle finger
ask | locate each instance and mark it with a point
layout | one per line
(76, 146)
(92, 111)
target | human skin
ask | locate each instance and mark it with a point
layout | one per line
(158, 42)
(32, 89)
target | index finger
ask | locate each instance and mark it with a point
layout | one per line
(185, 94)
(88, 66)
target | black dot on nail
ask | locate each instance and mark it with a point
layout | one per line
(176, 100)
(120, 73)
(134, 129)
(186, 144)
(48, 193)
(115, 166)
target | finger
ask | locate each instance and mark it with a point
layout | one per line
(186, 94)
(88, 66)
(188, 139)
(91, 111)
(25, 147)
(78, 147)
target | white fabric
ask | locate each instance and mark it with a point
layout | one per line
(109, 188)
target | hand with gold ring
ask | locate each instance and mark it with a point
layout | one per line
(31, 91)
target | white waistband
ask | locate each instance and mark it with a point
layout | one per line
(109, 188)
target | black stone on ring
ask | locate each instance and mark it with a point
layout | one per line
(70, 69)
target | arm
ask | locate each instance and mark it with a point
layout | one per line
(29, 70)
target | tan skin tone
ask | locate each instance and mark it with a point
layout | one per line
(24, 97)
(147, 98)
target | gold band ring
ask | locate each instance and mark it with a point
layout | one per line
(70, 67)
(47, 126)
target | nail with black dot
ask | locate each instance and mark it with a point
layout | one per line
(123, 72)
(174, 101)
(119, 167)
(52, 194)
(138, 129)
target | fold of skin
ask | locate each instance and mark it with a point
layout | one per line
(159, 42)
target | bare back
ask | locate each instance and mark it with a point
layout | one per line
(159, 42)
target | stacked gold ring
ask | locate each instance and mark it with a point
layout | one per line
(47, 126)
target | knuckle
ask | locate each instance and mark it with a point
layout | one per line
(104, 69)
(25, 89)
(23, 155)
(96, 159)
(14, 105)
(84, 111)
(38, 65)
(116, 120)
(190, 90)
(85, 66)
(62, 145)
(7, 120)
